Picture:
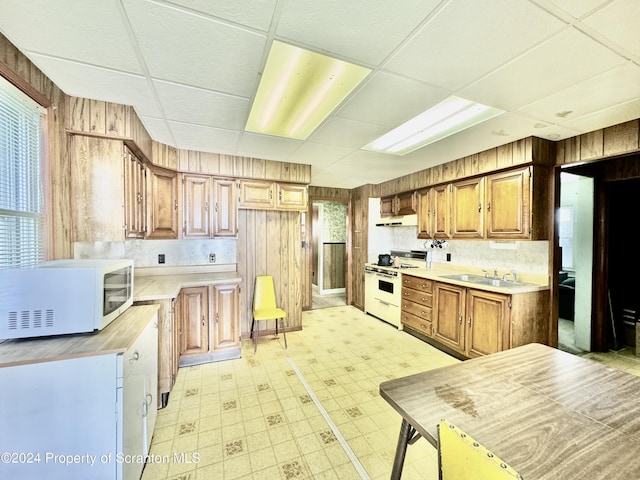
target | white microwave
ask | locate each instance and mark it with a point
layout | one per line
(63, 297)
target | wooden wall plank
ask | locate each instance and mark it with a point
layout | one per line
(623, 138)
(592, 145)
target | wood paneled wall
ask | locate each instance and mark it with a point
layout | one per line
(600, 144)
(19, 70)
(269, 244)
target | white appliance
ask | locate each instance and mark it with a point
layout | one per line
(63, 297)
(382, 293)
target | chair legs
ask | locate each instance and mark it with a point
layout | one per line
(257, 332)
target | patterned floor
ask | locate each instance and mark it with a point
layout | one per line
(312, 411)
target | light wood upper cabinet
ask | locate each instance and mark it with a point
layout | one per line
(194, 320)
(135, 196)
(425, 217)
(401, 204)
(441, 211)
(508, 204)
(225, 210)
(163, 204)
(291, 197)
(387, 206)
(265, 195)
(256, 194)
(196, 190)
(487, 323)
(467, 198)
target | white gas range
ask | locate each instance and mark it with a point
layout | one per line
(383, 285)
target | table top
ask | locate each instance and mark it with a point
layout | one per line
(548, 413)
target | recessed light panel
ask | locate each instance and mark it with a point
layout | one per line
(299, 89)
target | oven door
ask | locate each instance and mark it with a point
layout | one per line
(382, 296)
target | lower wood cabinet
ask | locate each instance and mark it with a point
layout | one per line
(473, 322)
(209, 323)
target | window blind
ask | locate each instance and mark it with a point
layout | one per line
(22, 219)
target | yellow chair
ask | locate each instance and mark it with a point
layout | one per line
(460, 457)
(265, 308)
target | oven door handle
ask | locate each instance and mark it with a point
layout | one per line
(383, 302)
(386, 275)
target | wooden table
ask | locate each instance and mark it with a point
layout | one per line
(549, 414)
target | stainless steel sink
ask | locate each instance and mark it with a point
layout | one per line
(480, 280)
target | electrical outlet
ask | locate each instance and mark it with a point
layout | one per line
(212, 258)
(161, 258)
(448, 257)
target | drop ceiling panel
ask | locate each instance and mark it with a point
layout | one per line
(346, 133)
(609, 19)
(264, 146)
(255, 14)
(81, 80)
(605, 118)
(194, 50)
(390, 100)
(318, 154)
(468, 39)
(556, 64)
(71, 30)
(158, 129)
(202, 107)
(575, 8)
(613, 87)
(208, 139)
(363, 31)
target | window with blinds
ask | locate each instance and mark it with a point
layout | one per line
(22, 212)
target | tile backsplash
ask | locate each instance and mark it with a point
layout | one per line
(176, 252)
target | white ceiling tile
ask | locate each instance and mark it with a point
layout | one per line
(575, 8)
(254, 13)
(193, 49)
(389, 100)
(197, 137)
(346, 133)
(70, 27)
(318, 154)
(81, 80)
(467, 39)
(158, 129)
(613, 87)
(265, 146)
(202, 107)
(345, 27)
(607, 117)
(565, 59)
(610, 22)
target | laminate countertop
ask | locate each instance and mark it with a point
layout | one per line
(115, 338)
(166, 287)
(440, 272)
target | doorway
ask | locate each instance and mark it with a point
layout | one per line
(329, 253)
(575, 218)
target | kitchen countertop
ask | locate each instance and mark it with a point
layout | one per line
(534, 282)
(116, 338)
(163, 287)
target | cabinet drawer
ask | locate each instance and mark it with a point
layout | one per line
(416, 323)
(417, 296)
(417, 283)
(416, 309)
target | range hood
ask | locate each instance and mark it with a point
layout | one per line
(398, 221)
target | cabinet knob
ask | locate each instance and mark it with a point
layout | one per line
(135, 356)
(469, 321)
(203, 320)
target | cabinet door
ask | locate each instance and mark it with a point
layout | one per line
(449, 313)
(256, 194)
(135, 199)
(387, 206)
(163, 222)
(425, 223)
(508, 200)
(194, 332)
(467, 209)
(406, 203)
(226, 318)
(225, 213)
(291, 197)
(487, 322)
(441, 211)
(196, 191)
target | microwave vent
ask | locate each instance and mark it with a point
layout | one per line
(30, 319)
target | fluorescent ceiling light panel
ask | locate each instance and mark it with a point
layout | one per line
(299, 89)
(450, 116)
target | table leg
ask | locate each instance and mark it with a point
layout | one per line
(406, 432)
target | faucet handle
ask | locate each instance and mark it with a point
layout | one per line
(495, 272)
(515, 275)
(486, 273)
